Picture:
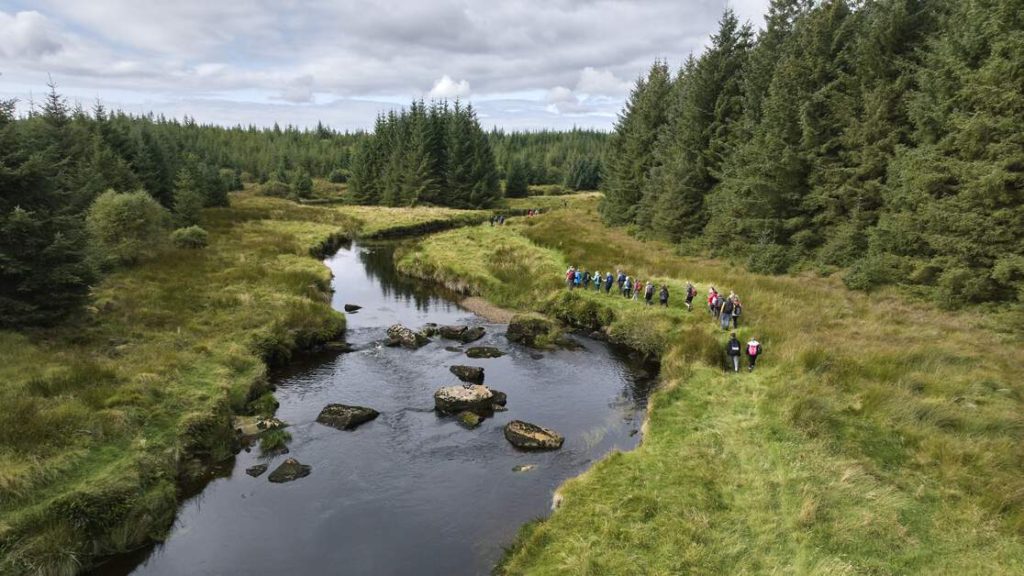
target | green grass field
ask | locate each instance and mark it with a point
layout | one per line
(102, 414)
(878, 435)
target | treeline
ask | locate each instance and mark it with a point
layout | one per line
(426, 154)
(571, 159)
(880, 137)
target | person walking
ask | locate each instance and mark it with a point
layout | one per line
(627, 287)
(732, 349)
(608, 281)
(570, 277)
(753, 351)
(691, 293)
(598, 281)
(578, 279)
(637, 286)
(585, 283)
(621, 281)
(737, 309)
(663, 295)
(712, 300)
(649, 293)
(725, 314)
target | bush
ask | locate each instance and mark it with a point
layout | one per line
(770, 259)
(125, 228)
(276, 188)
(192, 237)
(338, 176)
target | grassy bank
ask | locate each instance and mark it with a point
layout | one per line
(878, 436)
(102, 414)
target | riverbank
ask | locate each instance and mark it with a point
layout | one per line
(878, 434)
(104, 413)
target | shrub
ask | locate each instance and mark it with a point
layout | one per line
(192, 237)
(275, 188)
(769, 259)
(125, 228)
(338, 176)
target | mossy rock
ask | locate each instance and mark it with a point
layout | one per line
(530, 329)
(484, 352)
(474, 374)
(345, 417)
(290, 470)
(526, 436)
(469, 419)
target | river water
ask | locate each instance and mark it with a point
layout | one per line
(410, 492)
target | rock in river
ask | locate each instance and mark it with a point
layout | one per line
(352, 307)
(527, 328)
(429, 330)
(484, 352)
(345, 417)
(462, 333)
(290, 469)
(256, 471)
(469, 419)
(498, 398)
(468, 373)
(399, 335)
(526, 436)
(455, 399)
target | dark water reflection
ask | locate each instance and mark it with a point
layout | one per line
(411, 492)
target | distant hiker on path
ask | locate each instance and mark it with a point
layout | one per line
(691, 293)
(637, 285)
(627, 288)
(578, 279)
(663, 295)
(712, 300)
(621, 281)
(737, 309)
(753, 351)
(585, 283)
(649, 293)
(608, 281)
(570, 277)
(732, 349)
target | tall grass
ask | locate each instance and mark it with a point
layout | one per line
(878, 435)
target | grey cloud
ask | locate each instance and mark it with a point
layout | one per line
(198, 51)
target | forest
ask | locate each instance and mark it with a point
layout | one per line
(57, 237)
(877, 139)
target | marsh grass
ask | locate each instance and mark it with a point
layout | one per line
(878, 435)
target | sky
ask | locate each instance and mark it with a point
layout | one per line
(523, 64)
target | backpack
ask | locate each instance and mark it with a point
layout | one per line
(734, 346)
(736, 308)
(691, 292)
(753, 349)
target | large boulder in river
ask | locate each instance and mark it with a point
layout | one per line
(399, 335)
(526, 436)
(484, 352)
(529, 328)
(468, 373)
(455, 399)
(462, 333)
(290, 469)
(345, 417)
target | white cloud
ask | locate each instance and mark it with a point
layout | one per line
(298, 91)
(601, 83)
(26, 35)
(448, 88)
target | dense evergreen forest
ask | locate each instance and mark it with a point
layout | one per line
(435, 154)
(570, 159)
(881, 137)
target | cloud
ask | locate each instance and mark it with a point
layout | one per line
(26, 35)
(448, 88)
(601, 82)
(267, 51)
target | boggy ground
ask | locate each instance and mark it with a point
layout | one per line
(101, 414)
(877, 436)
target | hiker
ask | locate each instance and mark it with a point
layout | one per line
(598, 281)
(732, 349)
(691, 293)
(501, 220)
(712, 300)
(627, 287)
(649, 293)
(753, 351)
(621, 281)
(726, 313)
(663, 295)
(579, 278)
(570, 276)
(608, 281)
(492, 220)
(737, 309)
(586, 280)
(637, 285)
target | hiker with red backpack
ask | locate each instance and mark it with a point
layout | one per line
(712, 300)
(570, 277)
(753, 351)
(691, 293)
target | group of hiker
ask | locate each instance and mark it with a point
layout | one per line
(725, 309)
(498, 219)
(627, 286)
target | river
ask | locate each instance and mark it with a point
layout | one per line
(410, 492)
